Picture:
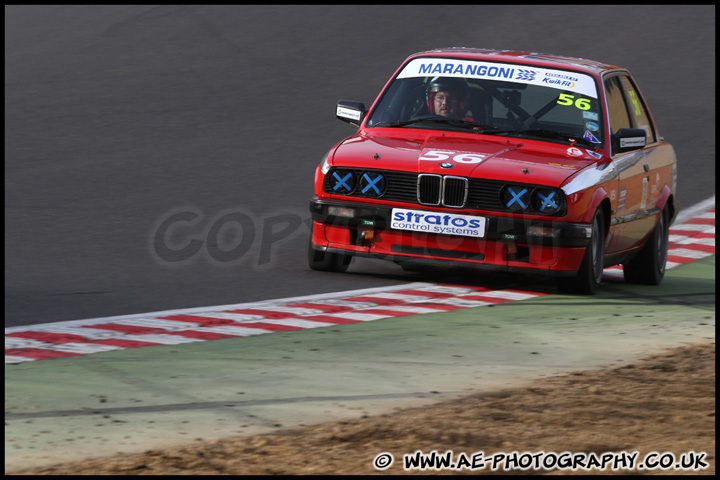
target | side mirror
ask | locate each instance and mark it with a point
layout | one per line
(627, 139)
(351, 112)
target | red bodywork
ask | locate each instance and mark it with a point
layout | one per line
(632, 189)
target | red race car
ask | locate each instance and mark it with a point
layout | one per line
(502, 160)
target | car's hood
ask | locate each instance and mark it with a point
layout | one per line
(518, 160)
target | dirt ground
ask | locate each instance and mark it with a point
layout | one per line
(664, 403)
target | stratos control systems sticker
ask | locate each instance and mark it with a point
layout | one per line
(438, 222)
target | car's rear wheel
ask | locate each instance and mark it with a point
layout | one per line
(326, 261)
(587, 281)
(648, 266)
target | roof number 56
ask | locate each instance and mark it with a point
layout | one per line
(581, 103)
(439, 156)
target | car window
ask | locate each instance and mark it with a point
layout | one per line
(638, 113)
(526, 100)
(617, 108)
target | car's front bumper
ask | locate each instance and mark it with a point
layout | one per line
(509, 244)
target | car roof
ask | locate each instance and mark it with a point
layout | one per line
(515, 56)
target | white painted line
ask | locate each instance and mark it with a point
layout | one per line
(235, 317)
(89, 333)
(169, 325)
(704, 241)
(300, 311)
(16, 342)
(451, 290)
(84, 348)
(363, 317)
(403, 297)
(235, 331)
(160, 338)
(460, 302)
(508, 295)
(297, 322)
(404, 309)
(699, 209)
(17, 359)
(696, 227)
(687, 253)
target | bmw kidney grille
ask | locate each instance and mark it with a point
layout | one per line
(438, 190)
(429, 189)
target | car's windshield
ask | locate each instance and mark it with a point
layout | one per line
(493, 98)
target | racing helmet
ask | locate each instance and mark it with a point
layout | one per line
(458, 86)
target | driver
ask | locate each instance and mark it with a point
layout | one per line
(447, 97)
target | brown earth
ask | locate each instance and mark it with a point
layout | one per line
(663, 403)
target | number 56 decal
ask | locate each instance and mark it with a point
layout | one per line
(581, 103)
(440, 155)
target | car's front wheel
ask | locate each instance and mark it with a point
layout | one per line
(648, 266)
(326, 261)
(587, 281)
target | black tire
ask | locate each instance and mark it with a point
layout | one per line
(326, 261)
(587, 281)
(648, 266)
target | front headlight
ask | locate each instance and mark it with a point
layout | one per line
(546, 201)
(342, 182)
(515, 198)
